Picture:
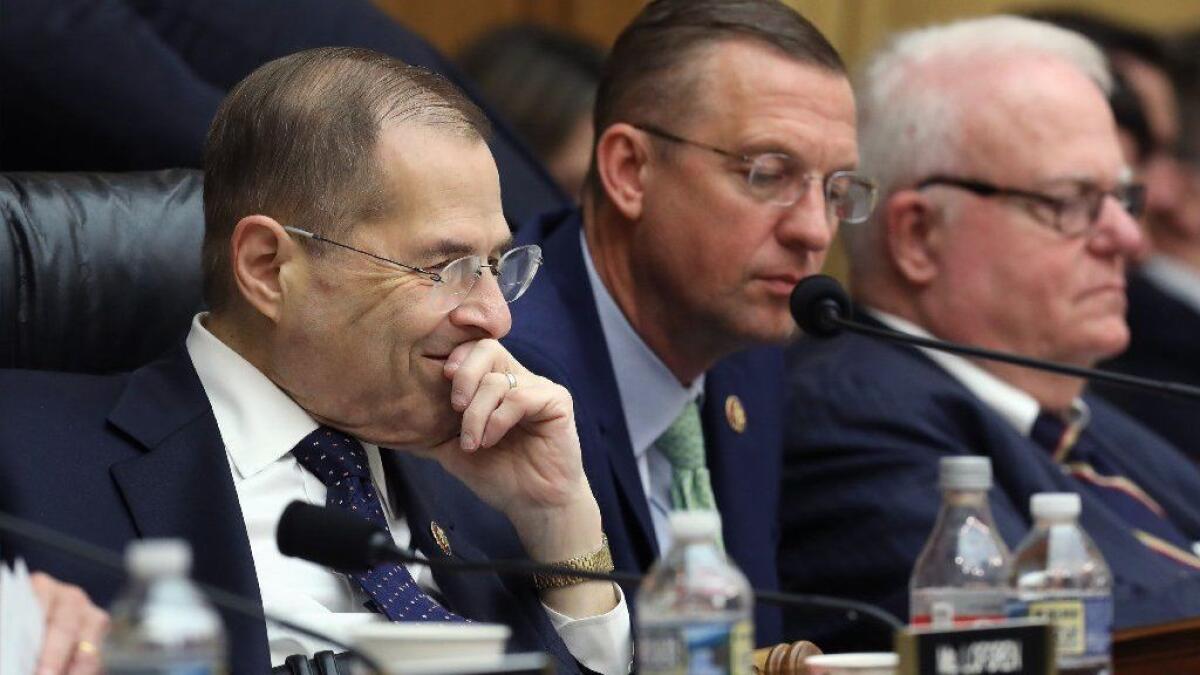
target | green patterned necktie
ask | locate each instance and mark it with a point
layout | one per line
(683, 446)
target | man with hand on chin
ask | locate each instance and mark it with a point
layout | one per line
(358, 271)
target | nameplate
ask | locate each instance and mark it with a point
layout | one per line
(1017, 647)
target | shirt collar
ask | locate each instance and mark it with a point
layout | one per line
(1015, 406)
(651, 397)
(258, 422)
(1175, 278)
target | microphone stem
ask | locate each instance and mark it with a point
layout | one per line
(1120, 379)
(794, 599)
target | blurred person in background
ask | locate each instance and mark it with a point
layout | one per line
(129, 85)
(544, 83)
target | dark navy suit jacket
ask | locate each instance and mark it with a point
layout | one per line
(1164, 345)
(870, 422)
(110, 459)
(556, 333)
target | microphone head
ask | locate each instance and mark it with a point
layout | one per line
(815, 300)
(332, 538)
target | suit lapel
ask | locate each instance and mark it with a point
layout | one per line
(744, 443)
(181, 486)
(598, 382)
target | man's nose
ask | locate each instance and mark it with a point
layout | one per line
(484, 308)
(1117, 230)
(807, 224)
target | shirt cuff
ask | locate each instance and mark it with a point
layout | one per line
(602, 643)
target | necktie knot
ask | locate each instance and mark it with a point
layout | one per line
(683, 442)
(332, 456)
(1048, 431)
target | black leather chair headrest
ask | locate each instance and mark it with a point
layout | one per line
(99, 272)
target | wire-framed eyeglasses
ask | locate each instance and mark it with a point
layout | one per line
(452, 282)
(777, 178)
(1071, 216)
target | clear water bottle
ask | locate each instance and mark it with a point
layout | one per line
(161, 624)
(1059, 575)
(694, 606)
(961, 577)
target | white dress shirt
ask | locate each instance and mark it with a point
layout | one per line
(651, 399)
(259, 425)
(1175, 279)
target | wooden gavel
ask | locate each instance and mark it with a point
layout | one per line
(784, 659)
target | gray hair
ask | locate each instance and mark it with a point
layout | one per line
(909, 124)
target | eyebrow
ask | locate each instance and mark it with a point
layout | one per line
(773, 147)
(450, 249)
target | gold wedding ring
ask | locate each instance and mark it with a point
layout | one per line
(86, 647)
(512, 379)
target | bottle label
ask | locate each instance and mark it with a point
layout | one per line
(1082, 624)
(122, 662)
(166, 669)
(711, 648)
(957, 607)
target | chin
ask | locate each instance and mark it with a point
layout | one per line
(765, 329)
(1106, 344)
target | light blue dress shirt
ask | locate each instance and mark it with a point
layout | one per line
(651, 398)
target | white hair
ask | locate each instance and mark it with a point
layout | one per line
(908, 112)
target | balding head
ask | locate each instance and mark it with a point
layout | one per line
(999, 157)
(297, 140)
(916, 92)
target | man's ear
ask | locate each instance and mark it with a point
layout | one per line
(914, 234)
(621, 156)
(259, 248)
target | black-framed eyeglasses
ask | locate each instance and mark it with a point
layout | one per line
(514, 271)
(777, 178)
(1071, 216)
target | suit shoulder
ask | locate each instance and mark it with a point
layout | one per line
(34, 389)
(49, 417)
(853, 365)
(545, 226)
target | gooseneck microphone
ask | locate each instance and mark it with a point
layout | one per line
(343, 541)
(822, 309)
(107, 559)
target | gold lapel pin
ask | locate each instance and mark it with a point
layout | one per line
(439, 537)
(735, 413)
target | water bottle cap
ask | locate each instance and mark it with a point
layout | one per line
(694, 524)
(158, 557)
(965, 473)
(1055, 505)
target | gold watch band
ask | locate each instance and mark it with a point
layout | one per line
(599, 560)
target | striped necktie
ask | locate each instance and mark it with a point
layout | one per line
(1076, 449)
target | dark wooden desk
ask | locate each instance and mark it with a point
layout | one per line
(1165, 649)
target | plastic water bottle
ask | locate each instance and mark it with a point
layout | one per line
(1058, 574)
(695, 606)
(161, 624)
(961, 577)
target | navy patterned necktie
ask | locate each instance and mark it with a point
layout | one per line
(340, 462)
